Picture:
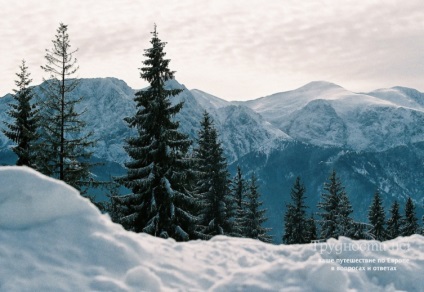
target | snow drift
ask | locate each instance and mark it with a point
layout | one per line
(52, 239)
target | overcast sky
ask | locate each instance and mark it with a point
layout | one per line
(236, 50)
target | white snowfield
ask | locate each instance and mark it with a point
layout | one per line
(52, 239)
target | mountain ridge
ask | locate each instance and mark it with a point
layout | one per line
(374, 140)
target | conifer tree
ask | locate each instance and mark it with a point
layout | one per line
(255, 216)
(23, 131)
(238, 192)
(345, 222)
(66, 153)
(160, 202)
(377, 218)
(297, 227)
(422, 229)
(335, 210)
(394, 223)
(312, 229)
(212, 186)
(410, 220)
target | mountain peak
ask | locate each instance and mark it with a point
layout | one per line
(319, 85)
(209, 101)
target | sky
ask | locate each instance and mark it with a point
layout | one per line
(236, 50)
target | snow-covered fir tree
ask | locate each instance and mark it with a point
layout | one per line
(410, 221)
(297, 227)
(23, 111)
(64, 142)
(212, 182)
(160, 203)
(335, 210)
(238, 189)
(377, 218)
(255, 216)
(394, 223)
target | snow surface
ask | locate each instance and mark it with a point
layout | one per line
(52, 239)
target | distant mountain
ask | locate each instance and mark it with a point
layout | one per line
(325, 114)
(241, 129)
(373, 140)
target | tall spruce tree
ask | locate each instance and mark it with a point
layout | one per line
(23, 130)
(394, 223)
(296, 226)
(255, 216)
(65, 144)
(212, 186)
(410, 221)
(335, 210)
(160, 203)
(377, 218)
(238, 189)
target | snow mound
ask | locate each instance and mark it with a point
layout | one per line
(51, 239)
(29, 199)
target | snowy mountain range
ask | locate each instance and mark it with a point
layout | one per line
(325, 114)
(373, 140)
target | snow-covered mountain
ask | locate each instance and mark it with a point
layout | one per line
(108, 101)
(319, 113)
(325, 114)
(373, 140)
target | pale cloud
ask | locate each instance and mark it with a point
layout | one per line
(234, 49)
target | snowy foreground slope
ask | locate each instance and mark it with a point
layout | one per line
(51, 239)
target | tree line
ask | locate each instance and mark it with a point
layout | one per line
(335, 218)
(178, 188)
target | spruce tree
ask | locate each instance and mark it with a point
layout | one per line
(377, 218)
(394, 223)
(345, 222)
(160, 203)
(297, 227)
(335, 210)
(238, 190)
(422, 229)
(212, 186)
(312, 229)
(23, 130)
(255, 216)
(410, 220)
(65, 144)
